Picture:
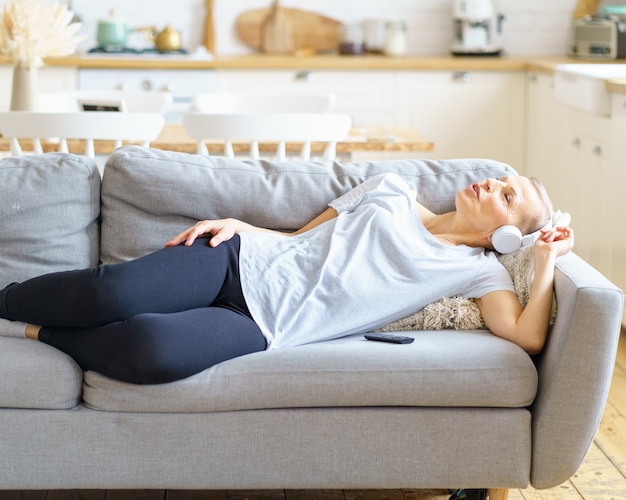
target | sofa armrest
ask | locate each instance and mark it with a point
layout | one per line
(575, 370)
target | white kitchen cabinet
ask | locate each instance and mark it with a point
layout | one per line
(615, 193)
(580, 156)
(546, 125)
(587, 182)
(466, 113)
(51, 79)
(368, 96)
(570, 152)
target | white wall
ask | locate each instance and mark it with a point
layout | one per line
(532, 27)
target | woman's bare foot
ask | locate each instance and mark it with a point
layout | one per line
(32, 331)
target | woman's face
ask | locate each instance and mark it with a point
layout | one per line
(493, 203)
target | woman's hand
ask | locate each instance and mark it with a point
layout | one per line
(224, 229)
(554, 242)
(220, 230)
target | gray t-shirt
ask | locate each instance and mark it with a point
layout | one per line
(373, 264)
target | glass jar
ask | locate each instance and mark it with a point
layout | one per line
(352, 40)
(374, 35)
(396, 41)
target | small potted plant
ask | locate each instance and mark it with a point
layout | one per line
(31, 30)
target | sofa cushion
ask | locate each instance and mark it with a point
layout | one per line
(439, 369)
(49, 209)
(35, 375)
(149, 195)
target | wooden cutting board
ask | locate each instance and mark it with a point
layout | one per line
(278, 31)
(312, 31)
(586, 8)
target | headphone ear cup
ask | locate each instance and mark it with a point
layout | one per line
(507, 239)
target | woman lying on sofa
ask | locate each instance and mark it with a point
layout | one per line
(224, 288)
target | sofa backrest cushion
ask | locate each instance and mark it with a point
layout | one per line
(49, 210)
(149, 195)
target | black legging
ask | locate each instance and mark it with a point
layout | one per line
(152, 320)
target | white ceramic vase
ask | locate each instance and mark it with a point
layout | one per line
(25, 90)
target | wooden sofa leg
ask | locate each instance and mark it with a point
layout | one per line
(497, 493)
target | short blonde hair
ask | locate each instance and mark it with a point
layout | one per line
(543, 213)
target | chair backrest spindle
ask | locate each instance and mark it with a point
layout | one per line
(87, 125)
(255, 128)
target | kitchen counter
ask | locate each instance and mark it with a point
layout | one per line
(372, 62)
(617, 86)
(546, 65)
(543, 64)
(331, 61)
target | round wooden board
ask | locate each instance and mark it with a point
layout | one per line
(311, 31)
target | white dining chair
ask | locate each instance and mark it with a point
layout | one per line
(147, 101)
(280, 128)
(264, 102)
(85, 125)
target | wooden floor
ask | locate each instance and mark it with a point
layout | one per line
(602, 476)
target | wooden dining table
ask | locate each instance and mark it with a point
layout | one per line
(173, 137)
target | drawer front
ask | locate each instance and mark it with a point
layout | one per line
(368, 96)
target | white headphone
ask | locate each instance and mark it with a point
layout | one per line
(508, 239)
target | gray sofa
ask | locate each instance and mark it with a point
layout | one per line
(453, 409)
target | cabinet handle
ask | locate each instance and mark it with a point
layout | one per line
(462, 76)
(532, 78)
(304, 76)
(597, 150)
(576, 142)
(169, 87)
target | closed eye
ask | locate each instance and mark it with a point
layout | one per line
(508, 197)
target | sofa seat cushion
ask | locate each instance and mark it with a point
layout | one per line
(36, 375)
(440, 369)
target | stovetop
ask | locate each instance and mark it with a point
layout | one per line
(130, 50)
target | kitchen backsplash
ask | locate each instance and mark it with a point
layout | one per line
(531, 27)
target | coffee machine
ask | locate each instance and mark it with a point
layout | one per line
(477, 28)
